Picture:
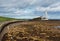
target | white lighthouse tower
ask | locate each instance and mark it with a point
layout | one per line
(45, 17)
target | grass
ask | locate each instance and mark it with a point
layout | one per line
(2, 19)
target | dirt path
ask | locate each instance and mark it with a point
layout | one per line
(4, 28)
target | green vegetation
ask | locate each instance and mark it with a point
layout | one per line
(6, 19)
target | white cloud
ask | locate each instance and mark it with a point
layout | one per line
(53, 7)
(38, 4)
(27, 7)
(22, 11)
(42, 9)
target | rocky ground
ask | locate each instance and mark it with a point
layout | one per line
(33, 31)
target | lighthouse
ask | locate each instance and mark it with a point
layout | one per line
(45, 17)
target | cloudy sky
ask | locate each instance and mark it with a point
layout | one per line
(25, 9)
